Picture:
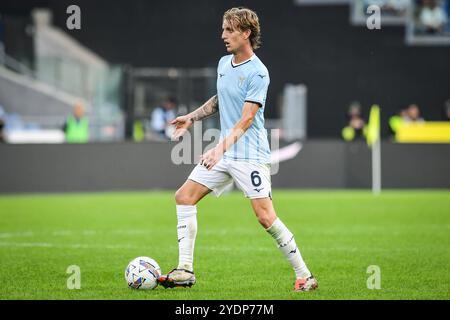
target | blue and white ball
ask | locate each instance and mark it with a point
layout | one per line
(142, 273)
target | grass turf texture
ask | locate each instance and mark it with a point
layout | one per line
(340, 233)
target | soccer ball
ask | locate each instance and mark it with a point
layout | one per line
(142, 273)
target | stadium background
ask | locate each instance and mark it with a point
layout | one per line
(342, 230)
(314, 45)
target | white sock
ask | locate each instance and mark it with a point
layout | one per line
(286, 244)
(187, 231)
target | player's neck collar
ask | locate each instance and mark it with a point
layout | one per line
(234, 65)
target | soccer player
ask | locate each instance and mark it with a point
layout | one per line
(242, 155)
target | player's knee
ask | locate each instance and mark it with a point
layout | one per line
(183, 198)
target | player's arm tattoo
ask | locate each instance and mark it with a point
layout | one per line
(207, 109)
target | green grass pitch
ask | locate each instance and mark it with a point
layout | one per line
(340, 234)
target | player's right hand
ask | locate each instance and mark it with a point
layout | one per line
(182, 124)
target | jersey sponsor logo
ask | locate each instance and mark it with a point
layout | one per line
(258, 190)
(262, 75)
(221, 75)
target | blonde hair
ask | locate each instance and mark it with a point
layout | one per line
(245, 19)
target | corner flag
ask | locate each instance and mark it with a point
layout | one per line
(373, 132)
(373, 141)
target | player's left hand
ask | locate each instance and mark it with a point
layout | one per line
(211, 157)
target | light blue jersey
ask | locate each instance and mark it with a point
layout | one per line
(247, 81)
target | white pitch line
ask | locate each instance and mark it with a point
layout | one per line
(66, 233)
(113, 246)
(199, 248)
(16, 234)
(70, 246)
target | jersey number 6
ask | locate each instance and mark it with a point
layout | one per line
(256, 179)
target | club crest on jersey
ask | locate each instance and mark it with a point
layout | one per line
(241, 81)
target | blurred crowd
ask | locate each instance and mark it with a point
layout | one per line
(157, 125)
(432, 17)
(76, 127)
(390, 7)
(356, 125)
(429, 17)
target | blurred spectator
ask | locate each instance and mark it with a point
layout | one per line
(397, 120)
(408, 115)
(2, 123)
(161, 117)
(404, 114)
(356, 127)
(447, 110)
(138, 131)
(413, 114)
(391, 7)
(433, 17)
(76, 126)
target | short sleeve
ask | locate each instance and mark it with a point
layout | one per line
(257, 88)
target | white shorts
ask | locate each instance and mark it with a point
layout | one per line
(252, 178)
